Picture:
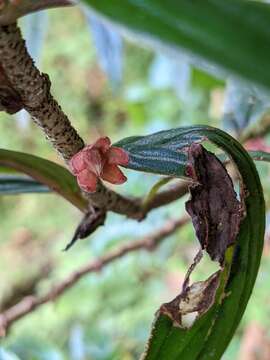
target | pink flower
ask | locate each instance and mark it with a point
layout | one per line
(98, 160)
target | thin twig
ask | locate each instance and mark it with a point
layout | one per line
(34, 90)
(10, 11)
(30, 303)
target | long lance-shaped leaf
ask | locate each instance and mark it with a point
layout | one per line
(233, 34)
(14, 184)
(164, 152)
(211, 333)
(56, 177)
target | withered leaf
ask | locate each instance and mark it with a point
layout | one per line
(94, 218)
(197, 299)
(10, 100)
(215, 211)
(199, 296)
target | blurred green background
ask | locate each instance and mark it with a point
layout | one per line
(106, 315)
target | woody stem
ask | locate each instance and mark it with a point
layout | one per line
(34, 90)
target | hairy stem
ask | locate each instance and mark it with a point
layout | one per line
(33, 88)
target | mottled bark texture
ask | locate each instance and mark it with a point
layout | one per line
(33, 89)
(195, 299)
(10, 100)
(31, 303)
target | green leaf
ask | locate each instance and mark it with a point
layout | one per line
(10, 184)
(48, 173)
(156, 160)
(164, 152)
(154, 190)
(212, 332)
(260, 156)
(233, 34)
(158, 153)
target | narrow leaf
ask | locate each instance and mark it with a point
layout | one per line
(260, 156)
(233, 34)
(10, 184)
(157, 160)
(154, 190)
(54, 176)
(239, 252)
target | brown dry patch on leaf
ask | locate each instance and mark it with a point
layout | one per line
(10, 101)
(216, 215)
(195, 299)
(215, 211)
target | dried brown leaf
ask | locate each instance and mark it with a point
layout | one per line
(216, 215)
(195, 299)
(90, 222)
(215, 211)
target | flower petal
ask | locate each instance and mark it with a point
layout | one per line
(117, 156)
(77, 163)
(103, 144)
(87, 180)
(112, 174)
(93, 160)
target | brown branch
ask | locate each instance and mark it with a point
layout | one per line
(33, 88)
(10, 11)
(30, 303)
(23, 288)
(10, 100)
(165, 197)
(96, 217)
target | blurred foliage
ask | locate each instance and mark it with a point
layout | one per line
(106, 315)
